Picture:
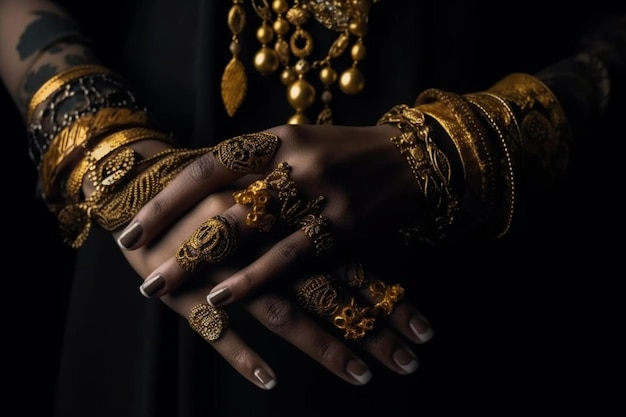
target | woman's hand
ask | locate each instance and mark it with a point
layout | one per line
(395, 324)
(354, 190)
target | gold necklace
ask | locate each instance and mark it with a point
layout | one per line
(286, 43)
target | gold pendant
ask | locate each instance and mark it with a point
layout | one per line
(234, 86)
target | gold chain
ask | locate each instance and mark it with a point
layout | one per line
(286, 43)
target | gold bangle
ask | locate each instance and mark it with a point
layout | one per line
(430, 166)
(503, 122)
(58, 80)
(77, 134)
(546, 134)
(102, 149)
(470, 137)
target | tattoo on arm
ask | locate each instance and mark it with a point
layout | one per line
(44, 31)
(61, 45)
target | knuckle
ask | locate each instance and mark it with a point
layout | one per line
(287, 251)
(201, 169)
(279, 313)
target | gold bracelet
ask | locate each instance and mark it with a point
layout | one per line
(546, 134)
(58, 80)
(114, 204)
(475, 150)
(90, 126)
(430, 166)
(102, 149)
(503, 122)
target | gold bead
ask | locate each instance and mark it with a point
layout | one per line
(266, 60)
(351, 81)
(298, 119)
(302, 66)
(282, 49)
(234, 48)
(236, 19)
(358, 52)
(281, 26)
(264, 33)
(280, 6)
(300, 94)
(327, 97)
(358, 28)
(288, 76)
(328, 75)
(340, 45)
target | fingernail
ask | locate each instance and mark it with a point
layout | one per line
(359, 371)
(421, 329)
(152, 286)
(405, 360)
(265, 378)
(218, 296)
(130, 235)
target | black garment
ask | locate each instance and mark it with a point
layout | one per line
(511, 324)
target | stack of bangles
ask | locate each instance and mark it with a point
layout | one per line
(75, 133)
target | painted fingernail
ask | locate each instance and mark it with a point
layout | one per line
(265, 378)
(218, 296)
(130, 235)
(152, 286)
(405, 360)
(359, 371)
(421, 329)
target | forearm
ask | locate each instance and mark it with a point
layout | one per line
(39, 39)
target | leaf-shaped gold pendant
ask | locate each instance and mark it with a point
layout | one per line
(234, 85)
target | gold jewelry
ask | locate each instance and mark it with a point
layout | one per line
(495, 111)
(348, 18)
(247, 153)
(546, 134)
(234, 79)
(319, 296)
(211, 243)
(73, 137)
(355, 275)
(470, 139)
(101, 149)
(119, 195)
(208, 321)
(315, 226)
(258, 197)
(58, 81)
(292, 208)
(430, 166)
(385, 295)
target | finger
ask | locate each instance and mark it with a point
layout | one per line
(389, 299)
(221, 233)
(213, 242)
(356, 320)
(297, 327)
(219, 167)
(212, 325)
(275, 262)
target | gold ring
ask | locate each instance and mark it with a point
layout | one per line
(258, 196)
(212, 242)
(385, 296)
(292, 207)
(247, 153)
(208, 321)
(319, 295)
(315, 226)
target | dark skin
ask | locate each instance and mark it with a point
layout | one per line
(359, 205)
